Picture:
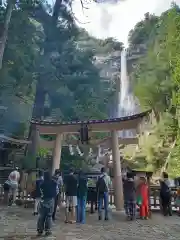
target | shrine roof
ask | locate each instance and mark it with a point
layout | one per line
(13, 140)
(109, 120)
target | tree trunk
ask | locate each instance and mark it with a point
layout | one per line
(4, 29)
(38, 109)
(165, 166)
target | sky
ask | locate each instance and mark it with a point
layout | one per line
(116, 20)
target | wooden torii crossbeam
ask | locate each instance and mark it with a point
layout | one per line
(106, 125)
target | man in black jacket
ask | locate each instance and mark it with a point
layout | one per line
(165, 195)
(48, 193)
(71, 185)
(129, 196)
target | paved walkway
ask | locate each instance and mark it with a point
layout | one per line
(18, 223)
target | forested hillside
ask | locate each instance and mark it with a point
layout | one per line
(70, 75)
(49, 59)
(156, 81)
(50, 67)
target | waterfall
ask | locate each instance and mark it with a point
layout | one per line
(127, 104)
(124, 83)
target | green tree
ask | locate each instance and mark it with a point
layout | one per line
(156, 84)
(45, 59)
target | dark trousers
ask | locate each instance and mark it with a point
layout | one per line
(93, 206)
(103, 197)
(130, 208)
(92, 198)
(56, 201)
(45, 216)
(6, 194)
(166, 206)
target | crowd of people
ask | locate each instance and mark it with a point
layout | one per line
(48, 192)
(47, 195)
(48, 188)
(136, 194)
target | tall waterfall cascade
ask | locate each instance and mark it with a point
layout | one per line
(127, 103)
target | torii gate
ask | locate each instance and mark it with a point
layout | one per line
(112, 125)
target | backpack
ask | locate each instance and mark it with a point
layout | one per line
(101, 185)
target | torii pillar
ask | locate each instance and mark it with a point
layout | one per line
(57, 152)
(118, 185)
(34, 143)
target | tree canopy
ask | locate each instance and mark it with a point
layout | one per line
(156, 84)
(49, 64)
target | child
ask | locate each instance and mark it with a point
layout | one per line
(143, 195)
(129, 196)
(178, 201)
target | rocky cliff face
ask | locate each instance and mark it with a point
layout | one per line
(110, 64)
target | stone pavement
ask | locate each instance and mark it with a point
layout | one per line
(18, 223)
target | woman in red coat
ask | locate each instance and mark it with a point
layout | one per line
(143, 191)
